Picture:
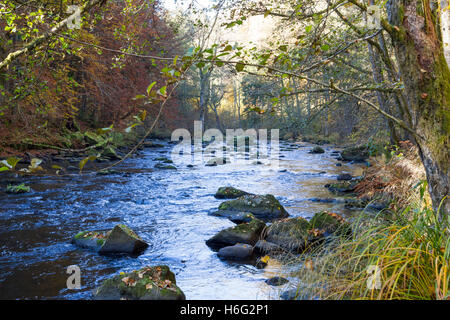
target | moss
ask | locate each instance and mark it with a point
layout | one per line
(80, 235)
(100, 242)
(21, 188)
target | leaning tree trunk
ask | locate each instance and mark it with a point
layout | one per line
(417, 40)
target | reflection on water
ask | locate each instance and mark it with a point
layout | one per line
(169, 209)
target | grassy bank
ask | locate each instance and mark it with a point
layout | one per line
(401, 252)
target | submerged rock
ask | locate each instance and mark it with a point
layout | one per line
(148, 283)
(120, 239)
(264, 207)
(292, 234)
(246, 233)
(317, 150)
(276, 281)
(229, 193)
(344, 177)
(165, 166)
(239, 251)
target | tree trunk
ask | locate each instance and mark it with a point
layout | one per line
(417, 40)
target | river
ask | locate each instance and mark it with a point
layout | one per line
(168, 209)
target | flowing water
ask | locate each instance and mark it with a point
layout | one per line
(168, 209)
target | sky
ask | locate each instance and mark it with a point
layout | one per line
(255, 29)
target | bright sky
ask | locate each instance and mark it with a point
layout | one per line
(255, 29)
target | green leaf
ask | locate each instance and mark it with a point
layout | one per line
(325, 47)
(139, 96)
(85, 160)
(162, 91)
(239, 67)
(104, 130)
(149, 88)
(228, 48)
(13, 162)
(4, 169)
(308, 29)
(283, 48)
(143, 115)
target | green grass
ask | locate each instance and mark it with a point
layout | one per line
(410, 250)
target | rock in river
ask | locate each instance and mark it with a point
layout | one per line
(263, 247)
(276, 281)
(264, 207)
(247, 233)
(229, 193)
(330, 223)
(239, 251)
(344, 177)
(292, 234)
(148, 283)
(120, 239)
(317, 150)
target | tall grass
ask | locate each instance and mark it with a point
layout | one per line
(406, 253)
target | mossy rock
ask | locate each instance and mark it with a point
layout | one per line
(292, 234)
(161, 159)
(229, 193)
(317, 150)
(264, 207)
(165, 166)
(148, 283)
(120, 239)
(330, 223)
(342, 187)
(247, 233)
(16, 189)
(241, 217)
(356, 154)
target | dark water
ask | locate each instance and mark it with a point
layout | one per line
(168, 209)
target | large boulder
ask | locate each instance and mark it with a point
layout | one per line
(356, 154)
(148, 283)
(264, 207)
(247, 233)
(229, 193)
(239, 251)
(294, 234)
(330, 223)
(120, 239)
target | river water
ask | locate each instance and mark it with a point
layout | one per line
(168, 209)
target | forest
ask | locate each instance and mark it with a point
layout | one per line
(225, 149)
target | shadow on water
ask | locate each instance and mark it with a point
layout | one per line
(169, 209)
